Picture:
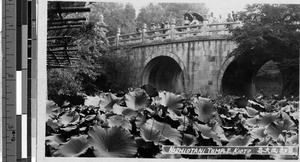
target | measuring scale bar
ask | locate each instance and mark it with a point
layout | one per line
(9, 44)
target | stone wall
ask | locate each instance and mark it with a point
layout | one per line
(202, 61)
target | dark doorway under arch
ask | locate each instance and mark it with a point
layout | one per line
(240, 76)
(164, 73)
(268, 80)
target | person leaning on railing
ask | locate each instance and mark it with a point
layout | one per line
(220, 20)
(138, 32)
(163, 26)
(186, 21)
(168, 27)
(211, 18)
(194, 22)
(234, 16)
(153, 27)
(229, 19)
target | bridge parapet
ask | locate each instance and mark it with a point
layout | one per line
(174, 33)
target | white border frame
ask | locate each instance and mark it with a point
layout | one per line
(41, 86)
(41, 75)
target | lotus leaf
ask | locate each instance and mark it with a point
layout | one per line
(150, 134)
(204, 109)
(165, 130)
(69, 118)
(137, 99)
(172, 101)
(188, 140)
(119, 121)
(111, 142)
(75, 147)
(108, 100)
(240, 140)
(258, 133)
(276, 128)
(207, 132)
(54, 140)
(52, 110)
(266, 118)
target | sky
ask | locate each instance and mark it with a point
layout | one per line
(218, 7)
(215, 6)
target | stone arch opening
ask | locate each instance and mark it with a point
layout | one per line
(239, 78)
(164, 73)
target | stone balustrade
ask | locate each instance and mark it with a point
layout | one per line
(173, 33)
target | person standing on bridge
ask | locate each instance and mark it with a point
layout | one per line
(167, 25)
(194, 22)
(220, 20)
(186, 21)
(138, 32)
(211, 18)
(234, 16)
(153, 27)
(187, 18)
(229, 19)
(162, 26)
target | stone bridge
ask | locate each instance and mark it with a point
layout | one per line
(187, 59)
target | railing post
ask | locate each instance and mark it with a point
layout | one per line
(118, 36)
(205, 26)
(173, 22)
(144, 33)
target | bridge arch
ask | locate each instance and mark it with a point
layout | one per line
(165, 72)
(237, 74)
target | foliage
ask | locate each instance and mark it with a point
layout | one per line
(62, 81)
(111, 142)
(116, 72)
(136, 125)
(271, 32)
(268, 29)
(69, 81)
(116, 15)
(269, 71)
(96, 69)
(149, 14)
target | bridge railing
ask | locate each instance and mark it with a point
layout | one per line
(172, 33)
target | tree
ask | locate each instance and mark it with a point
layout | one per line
(128, 16)
(129, 12)
(116, 15)
(272, 31)
(152, 13)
